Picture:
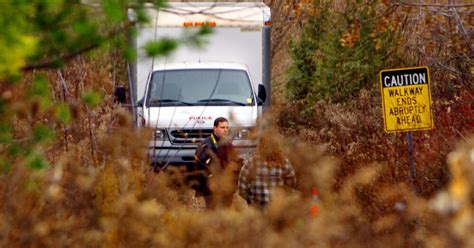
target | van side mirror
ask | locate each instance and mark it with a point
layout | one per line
(262, 95)
(140, 103)
(120, 94)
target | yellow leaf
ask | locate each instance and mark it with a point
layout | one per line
(378, 44)
(14, 54)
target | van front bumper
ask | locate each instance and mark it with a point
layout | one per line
(166, 153)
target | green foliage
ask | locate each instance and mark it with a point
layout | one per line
(31, 185)
(42, 133)
(159, 3)
(4, 166)
(15, 150)
(302, 54)
(204, 30)
(5, 133)
(161, 47)
(130, 54)
(45, 33)
(197, 39)
(62, 113)
(165, 46)
(15, 45)
(91, 98)
(39, 35)
(40, 91)
(114, 10)
(40, 87)
(340, 52)
(14, 50)
(36, 161)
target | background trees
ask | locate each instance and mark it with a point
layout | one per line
(339, 49)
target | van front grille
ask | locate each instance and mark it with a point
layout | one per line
(189, 136)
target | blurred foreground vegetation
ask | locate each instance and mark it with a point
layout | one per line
(73, 170)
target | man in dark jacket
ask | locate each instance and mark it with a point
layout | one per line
(217, 159)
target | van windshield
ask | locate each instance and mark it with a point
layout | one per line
(199, 87)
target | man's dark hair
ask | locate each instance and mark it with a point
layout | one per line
(219, 120)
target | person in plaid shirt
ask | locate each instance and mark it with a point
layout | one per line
(264, 172)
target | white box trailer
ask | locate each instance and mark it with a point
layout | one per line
(180, 95)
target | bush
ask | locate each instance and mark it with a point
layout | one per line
(340, 51)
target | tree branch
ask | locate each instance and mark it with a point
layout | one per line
(52, 63)
(435, 5)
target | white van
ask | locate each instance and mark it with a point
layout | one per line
(180, 95)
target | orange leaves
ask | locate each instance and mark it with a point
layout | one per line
(378, 44)
(382, 27)
(349, 38)
(300, 8)
(315, 11)
(430, 46)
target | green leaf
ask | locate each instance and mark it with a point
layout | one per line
(5, 133)
(204, 30)
(63, 113)
(141, 16)
(130, 53)
(36, 161)
(59, 35)
(84, 27)
(40, 87)
(15, 150)
(31, 185)
(4, 166)
(91, 98)
(52, 7)
(198, 38)
(160, 3)
(113, 10)
(42, 133)
(14, 50)
(334, 58)
(161, 47)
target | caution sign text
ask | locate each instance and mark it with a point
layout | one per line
(406, 99)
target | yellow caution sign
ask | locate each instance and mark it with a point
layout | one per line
(406, 99)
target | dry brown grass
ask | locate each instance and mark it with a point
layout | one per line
(114, 202)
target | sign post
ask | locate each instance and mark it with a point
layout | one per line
(411, 161)
(406, 101)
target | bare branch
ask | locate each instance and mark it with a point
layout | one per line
(435, 5)
(463, 29)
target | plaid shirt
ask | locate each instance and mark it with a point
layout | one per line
(256, 181)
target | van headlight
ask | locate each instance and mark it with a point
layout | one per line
(160, 134)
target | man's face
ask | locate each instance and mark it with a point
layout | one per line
(222, 129)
